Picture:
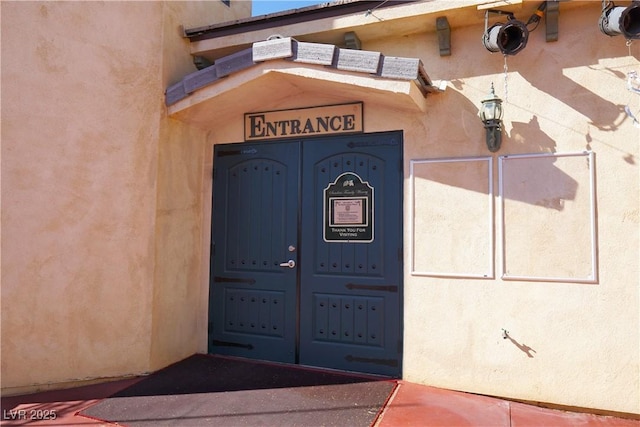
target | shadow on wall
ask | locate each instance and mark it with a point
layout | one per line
(529, 138)
(575, 71)
(522, 347)
(561, 75)
(601, 113)
(542, 182)
(553, 186)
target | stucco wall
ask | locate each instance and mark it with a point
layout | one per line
(571, 342)
(95, 181)
(106, 202)
(179, 309)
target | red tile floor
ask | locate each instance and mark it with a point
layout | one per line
(409, 405)
(419, 405)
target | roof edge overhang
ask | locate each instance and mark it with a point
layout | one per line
(273, 84)
(288, 17)
(329, 22)
(369, 65)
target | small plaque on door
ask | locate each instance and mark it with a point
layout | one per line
(348, 210)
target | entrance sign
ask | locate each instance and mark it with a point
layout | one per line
(348, 210)
(312, 121)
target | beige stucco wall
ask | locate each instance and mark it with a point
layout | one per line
(105, 217)
(563, 97)
(574, 344)
(96, 180)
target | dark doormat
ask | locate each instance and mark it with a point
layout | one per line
(205, 390)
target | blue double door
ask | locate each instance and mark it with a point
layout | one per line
(306, 263)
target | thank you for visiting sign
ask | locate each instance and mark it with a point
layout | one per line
(348, 210)
(312, 121)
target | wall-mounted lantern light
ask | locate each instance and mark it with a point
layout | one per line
(508, 38)
(491, 115)
(616, 20)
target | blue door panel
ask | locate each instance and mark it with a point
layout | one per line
(253, 300)
(340, 306)
(351, 292)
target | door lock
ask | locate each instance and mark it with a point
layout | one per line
(291, 264)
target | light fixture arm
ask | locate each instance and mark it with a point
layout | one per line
(497, 12)
(493, 134)
(607, 4)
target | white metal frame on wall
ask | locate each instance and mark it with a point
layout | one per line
(489, 272)
(593, 275)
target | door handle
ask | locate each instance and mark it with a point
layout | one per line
(291, 264)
